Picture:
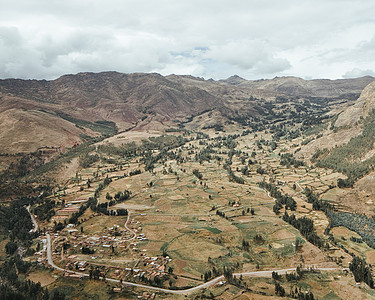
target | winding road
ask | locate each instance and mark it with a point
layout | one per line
(32, 219)
(127, 228)
(186, 291)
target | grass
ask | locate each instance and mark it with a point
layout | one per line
(106, 128)
(210, 229)
(164, 246)
(81, 289)
(154, 223)
(243, 225)
(287, 250)
(331, 296)
(247, 255)
(213, 230)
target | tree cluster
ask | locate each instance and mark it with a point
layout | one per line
(234, 178)
(281, 199)
(14, 287)
(317, 204)
(306, 227)
(288, 160)
(360, 224)
(15, 220)
(45, 211)
(361, 271)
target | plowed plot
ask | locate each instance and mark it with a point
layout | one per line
(283, 234)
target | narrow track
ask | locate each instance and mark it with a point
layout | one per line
(32, 219)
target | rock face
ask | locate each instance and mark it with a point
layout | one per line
(364, 104)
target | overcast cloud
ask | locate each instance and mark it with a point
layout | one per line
(213, 39)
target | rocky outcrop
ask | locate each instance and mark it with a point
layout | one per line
(364, 104)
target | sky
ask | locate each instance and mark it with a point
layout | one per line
(45, 39)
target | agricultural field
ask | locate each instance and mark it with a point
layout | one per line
(178, 215)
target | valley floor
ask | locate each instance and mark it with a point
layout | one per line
(200, 211)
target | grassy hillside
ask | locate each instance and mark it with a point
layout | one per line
(351, 158)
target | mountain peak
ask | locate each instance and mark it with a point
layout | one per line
(235, 79)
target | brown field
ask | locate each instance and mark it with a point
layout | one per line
(43, 276)
(131, 136)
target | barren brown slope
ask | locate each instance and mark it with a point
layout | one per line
(131, 96)
(125, 99)
(134, 101)
(28, 130)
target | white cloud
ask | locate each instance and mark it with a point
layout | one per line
(254, 39)
(354, 73)
(249, 57)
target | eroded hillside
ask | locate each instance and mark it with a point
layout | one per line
(87, 104)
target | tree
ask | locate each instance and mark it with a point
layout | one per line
(276, 276)
(11, 247)
(58, 295)
(345, 183)
(198, 174)
(228, 274)
(87, 250)
(107, 181)
(279, 290)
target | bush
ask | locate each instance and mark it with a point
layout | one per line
(198, 174)
(345, 183)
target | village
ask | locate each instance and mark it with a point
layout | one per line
(78, 252)
(115, 251)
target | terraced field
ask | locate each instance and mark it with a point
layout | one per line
(180, 230)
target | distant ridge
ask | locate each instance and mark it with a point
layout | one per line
(41, 113)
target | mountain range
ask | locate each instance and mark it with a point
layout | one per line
(65, 111)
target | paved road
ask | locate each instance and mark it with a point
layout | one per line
(49, 254)
(33, 219)
(187, 291)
